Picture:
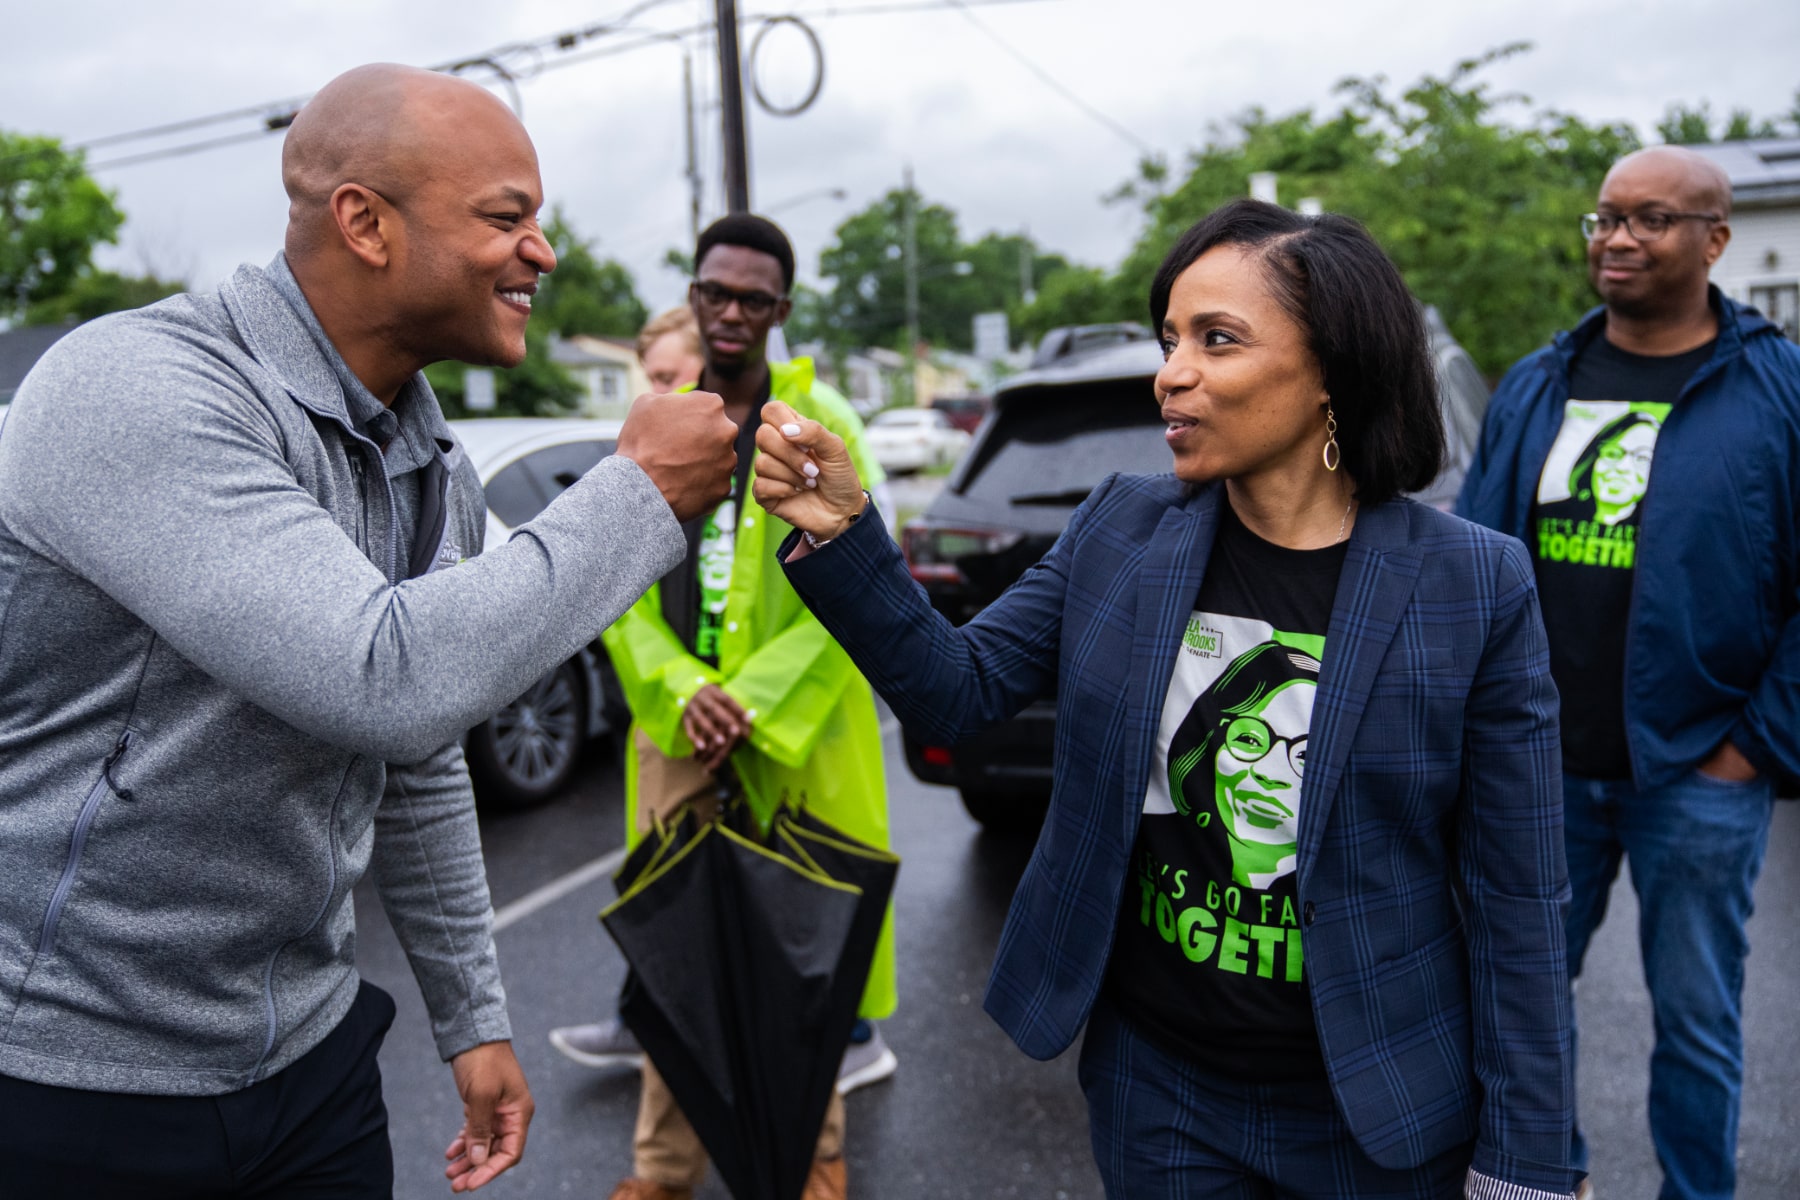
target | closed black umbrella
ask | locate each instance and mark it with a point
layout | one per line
(747, 963)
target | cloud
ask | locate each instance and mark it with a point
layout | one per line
(982, 132)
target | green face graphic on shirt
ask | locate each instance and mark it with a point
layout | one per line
(1619, 467)
(1257, 770)
(1250, 727)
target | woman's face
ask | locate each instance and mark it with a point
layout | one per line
(1259, 764)
(1239, 388)
(1622, 469)
(672, 361)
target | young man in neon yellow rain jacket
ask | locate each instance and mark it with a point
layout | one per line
(813, 737)
(814, 733)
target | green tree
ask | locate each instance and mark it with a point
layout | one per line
(96, 293)
(866, 266)
(586, 293)
(52, 215)
(1076, 295)
(1479, 212)
(1692, 125)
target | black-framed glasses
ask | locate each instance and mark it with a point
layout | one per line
(1249, 739)
(716, 297)
(1646, 226)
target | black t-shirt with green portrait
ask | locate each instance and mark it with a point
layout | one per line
(1207, 956)
(1585, 526)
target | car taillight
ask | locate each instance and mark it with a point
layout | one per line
(932, 551)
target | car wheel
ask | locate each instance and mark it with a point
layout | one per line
(528, 751)
(1005, 811)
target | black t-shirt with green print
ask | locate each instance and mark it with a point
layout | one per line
(1207, 957)
(1584, 528)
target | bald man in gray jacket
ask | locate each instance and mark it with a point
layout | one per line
(242, 629)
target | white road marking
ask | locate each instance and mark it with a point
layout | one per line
(580, 877)
(556, 889)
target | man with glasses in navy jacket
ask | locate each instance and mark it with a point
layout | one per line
(1650, 460)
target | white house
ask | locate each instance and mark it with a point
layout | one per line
(1761, 266)
(607, 370)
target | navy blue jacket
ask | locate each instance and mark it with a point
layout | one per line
(1712, 645)
(1430, 865)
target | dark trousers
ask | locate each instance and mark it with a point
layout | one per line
(315, 1129)
(1163, 1128)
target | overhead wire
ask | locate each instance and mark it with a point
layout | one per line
(278, 114)
(1118, 128)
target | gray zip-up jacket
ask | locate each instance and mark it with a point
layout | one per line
(218, 637)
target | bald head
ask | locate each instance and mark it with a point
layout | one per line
(1691, 181)
(384, 126)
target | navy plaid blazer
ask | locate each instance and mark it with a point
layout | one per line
(1430, 859)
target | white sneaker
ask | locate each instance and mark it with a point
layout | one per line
(866, 1062)
(604, 1044)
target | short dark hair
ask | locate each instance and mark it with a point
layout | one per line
(753, 233)
(1362, 325)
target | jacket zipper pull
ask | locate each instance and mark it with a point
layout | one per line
(112, 760)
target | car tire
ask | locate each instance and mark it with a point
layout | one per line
(1005, 810)
(530, 750)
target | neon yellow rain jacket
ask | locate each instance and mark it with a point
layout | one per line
(814, 732)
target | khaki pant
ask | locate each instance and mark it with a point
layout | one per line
(665, 1148)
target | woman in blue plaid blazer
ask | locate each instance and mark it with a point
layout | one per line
(1428, 867)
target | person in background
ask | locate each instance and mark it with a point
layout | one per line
(731, 681)
(243, 628)
(1649, 460)
(1271, 646)
(670, 351)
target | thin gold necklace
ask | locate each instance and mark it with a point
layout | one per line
(1344, 524)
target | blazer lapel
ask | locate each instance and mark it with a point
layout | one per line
(1169, 578)
(1380, 570)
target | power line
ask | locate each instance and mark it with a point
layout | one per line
(529, 57)
(1055, 84)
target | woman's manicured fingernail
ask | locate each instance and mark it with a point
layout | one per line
(791, 430)
(812, 483)
(810, 469)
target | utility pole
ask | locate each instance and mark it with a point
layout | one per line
(731, 109)
(1027, 289)
(909, 258)
(693, 156)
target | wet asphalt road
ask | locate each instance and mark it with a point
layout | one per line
(968, 1115)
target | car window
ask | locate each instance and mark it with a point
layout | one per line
(514, 496)
(556, 467)
(1053, 447)
(523, 489)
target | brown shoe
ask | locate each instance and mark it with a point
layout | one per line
(644, 1189)
(828, 1180)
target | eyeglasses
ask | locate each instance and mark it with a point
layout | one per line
(1249, 739)
(717, 298)
(1644, 227)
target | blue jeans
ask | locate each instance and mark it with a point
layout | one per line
(1163, 1129)
(1696, 847)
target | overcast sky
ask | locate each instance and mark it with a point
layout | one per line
(983, 133)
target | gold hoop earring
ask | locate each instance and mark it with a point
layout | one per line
(1332, 455)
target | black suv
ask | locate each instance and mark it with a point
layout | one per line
(1083, 410)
